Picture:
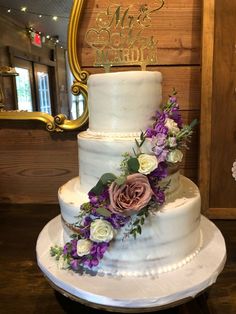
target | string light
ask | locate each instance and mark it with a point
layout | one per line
(30, 30)
(39, 14)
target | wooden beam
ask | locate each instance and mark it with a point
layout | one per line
(206, 100)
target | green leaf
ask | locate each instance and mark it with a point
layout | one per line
(193, 123)
(120, 180)
(139, 229)
(98, 188)
(107, 178)
(102, 182)
(103, 211)
(136, 222)
(133, 164)
(137, 143)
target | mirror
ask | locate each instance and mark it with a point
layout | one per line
(55, 119)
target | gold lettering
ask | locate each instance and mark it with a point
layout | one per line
(135, 54)
(117, 58)
(126, 55)
(101, 57)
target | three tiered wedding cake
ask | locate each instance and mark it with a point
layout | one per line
(130, 211)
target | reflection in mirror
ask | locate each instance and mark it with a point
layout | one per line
(43, 89)
(23, 90)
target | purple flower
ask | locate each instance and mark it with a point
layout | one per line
(90, 262)
(150, 133)
(98, 249)
(118, 221)
(74, 264)
(159, 195)
(159, 140)
(87, 220)
(161, 128)
(160, 172)
(66, 249)
(160, 152)
(175, 115)
(173, 100)
(73, 252)
(161, 117)
(104, 195)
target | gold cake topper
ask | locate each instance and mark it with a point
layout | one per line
(119, 38)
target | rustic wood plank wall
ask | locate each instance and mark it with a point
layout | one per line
(222, 113)
(34, 163)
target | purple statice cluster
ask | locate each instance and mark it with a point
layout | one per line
(91, 260)
(98, 249)
(164, 132)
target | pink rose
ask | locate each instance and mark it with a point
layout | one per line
(130, 197)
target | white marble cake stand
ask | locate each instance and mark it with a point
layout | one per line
(134, 294)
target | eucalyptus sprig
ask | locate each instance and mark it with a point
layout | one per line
(56, 251)
(139, 222)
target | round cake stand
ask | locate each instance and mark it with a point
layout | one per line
(128, 294)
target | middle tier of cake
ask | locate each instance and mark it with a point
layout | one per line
(101, 153)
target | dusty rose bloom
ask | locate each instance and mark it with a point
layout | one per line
(130, 197)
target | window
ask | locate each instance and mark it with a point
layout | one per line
(23, 89)
(44, 93)
(77, 106)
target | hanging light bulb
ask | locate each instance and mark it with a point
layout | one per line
(23, 9)
(9, 11)
(55, 18)
(40, 15)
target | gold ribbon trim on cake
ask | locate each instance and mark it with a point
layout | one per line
(72, 227)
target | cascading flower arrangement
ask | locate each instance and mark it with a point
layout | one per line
(126, 200)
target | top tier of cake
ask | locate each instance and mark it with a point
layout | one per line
(123, 102)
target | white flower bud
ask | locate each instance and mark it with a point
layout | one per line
(175, 156)
(172, 126)
(83, 247)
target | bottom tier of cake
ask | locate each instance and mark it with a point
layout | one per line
(170, 237)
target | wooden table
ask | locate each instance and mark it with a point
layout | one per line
(24, 288)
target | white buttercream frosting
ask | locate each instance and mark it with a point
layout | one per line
(123, 101)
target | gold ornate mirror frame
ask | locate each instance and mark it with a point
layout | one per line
(60, 122)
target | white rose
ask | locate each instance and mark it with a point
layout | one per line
(83, 247)
(147, 163)
(172, 126)
(101, 231)
(175, 156)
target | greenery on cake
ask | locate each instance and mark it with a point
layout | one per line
(125, 201)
